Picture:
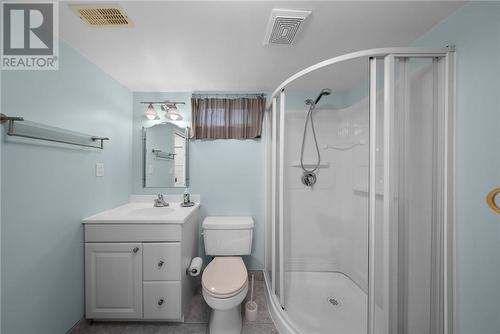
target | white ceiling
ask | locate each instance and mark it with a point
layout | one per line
(218, 46)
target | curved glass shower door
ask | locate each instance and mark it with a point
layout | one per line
(326, 224)
(317, 259)
(368, 247)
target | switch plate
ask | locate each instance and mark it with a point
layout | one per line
(99, 169)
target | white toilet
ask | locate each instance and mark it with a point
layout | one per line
(225, 279)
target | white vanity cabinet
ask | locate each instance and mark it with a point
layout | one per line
(137, 269)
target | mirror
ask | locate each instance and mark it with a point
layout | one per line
(165, 156)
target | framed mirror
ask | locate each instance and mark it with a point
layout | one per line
(165, 156)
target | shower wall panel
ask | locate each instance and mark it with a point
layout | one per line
(327, 224)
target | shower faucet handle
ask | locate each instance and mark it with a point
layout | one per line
(308, 179)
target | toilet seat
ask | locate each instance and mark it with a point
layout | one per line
(225, 277)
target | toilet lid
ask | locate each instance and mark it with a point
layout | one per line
(224, 277)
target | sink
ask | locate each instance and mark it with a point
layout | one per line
(144, 212)
(152, 212)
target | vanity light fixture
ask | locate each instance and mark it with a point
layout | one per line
(171, 111)
(150, 112)
(168, 107)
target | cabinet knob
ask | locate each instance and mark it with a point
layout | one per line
(161, 301)
(161, 263)
(135, 250)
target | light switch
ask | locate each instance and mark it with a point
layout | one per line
(99, 169)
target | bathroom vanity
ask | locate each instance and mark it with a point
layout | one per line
(136, 260)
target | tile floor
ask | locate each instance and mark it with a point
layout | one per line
(196, 320)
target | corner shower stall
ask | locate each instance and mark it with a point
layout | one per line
(360, 233)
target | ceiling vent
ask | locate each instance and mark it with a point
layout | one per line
(102, 15)
(283, 25)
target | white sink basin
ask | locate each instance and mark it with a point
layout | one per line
(144, 212)
(152, 212)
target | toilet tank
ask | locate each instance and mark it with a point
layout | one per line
(228, 235)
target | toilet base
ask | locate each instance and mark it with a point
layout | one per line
(225, 321)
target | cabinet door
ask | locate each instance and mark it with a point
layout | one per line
(113, 280)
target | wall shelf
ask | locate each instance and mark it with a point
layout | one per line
(18, 127)
(159, 154)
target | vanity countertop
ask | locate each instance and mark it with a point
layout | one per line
(144, 213)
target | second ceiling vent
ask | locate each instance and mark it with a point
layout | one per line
(102, 15)
(283, 25)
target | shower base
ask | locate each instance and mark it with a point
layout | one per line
(321, 303)
(325, 302)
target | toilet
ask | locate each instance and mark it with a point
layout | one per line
(225, 279)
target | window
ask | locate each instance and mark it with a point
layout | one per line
(227, 118)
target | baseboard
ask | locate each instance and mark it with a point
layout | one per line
(81, 325)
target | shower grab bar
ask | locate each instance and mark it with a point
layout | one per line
(38, 131)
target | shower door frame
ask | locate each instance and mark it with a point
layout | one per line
(446, 63)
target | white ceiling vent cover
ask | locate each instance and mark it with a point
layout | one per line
(284, 25)
(102, 15)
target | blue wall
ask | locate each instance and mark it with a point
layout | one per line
(1, 136)
(48, 188)
(475, 30)
(228, 174)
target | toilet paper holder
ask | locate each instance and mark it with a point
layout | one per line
(188, 273)
(195, 266)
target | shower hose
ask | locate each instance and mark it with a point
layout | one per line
(309, 175)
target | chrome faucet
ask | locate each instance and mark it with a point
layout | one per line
(160, 202)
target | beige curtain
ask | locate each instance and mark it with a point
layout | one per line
(226, 118)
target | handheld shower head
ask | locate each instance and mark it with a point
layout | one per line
(309, 175)
(324, 91)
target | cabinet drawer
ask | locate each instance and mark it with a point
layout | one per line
(162, 261)
(162, 300)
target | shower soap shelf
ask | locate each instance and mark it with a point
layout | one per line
(345, 146)
(364, 190)
(325, 164)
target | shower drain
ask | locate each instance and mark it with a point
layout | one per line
(334, 301)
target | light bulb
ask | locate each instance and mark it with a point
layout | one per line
(173, 114)
(150, 112)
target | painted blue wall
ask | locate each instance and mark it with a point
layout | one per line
(228, 174)
(475, 30)
(1, 136)
(48, 188)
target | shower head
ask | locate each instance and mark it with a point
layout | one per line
(324, 91)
